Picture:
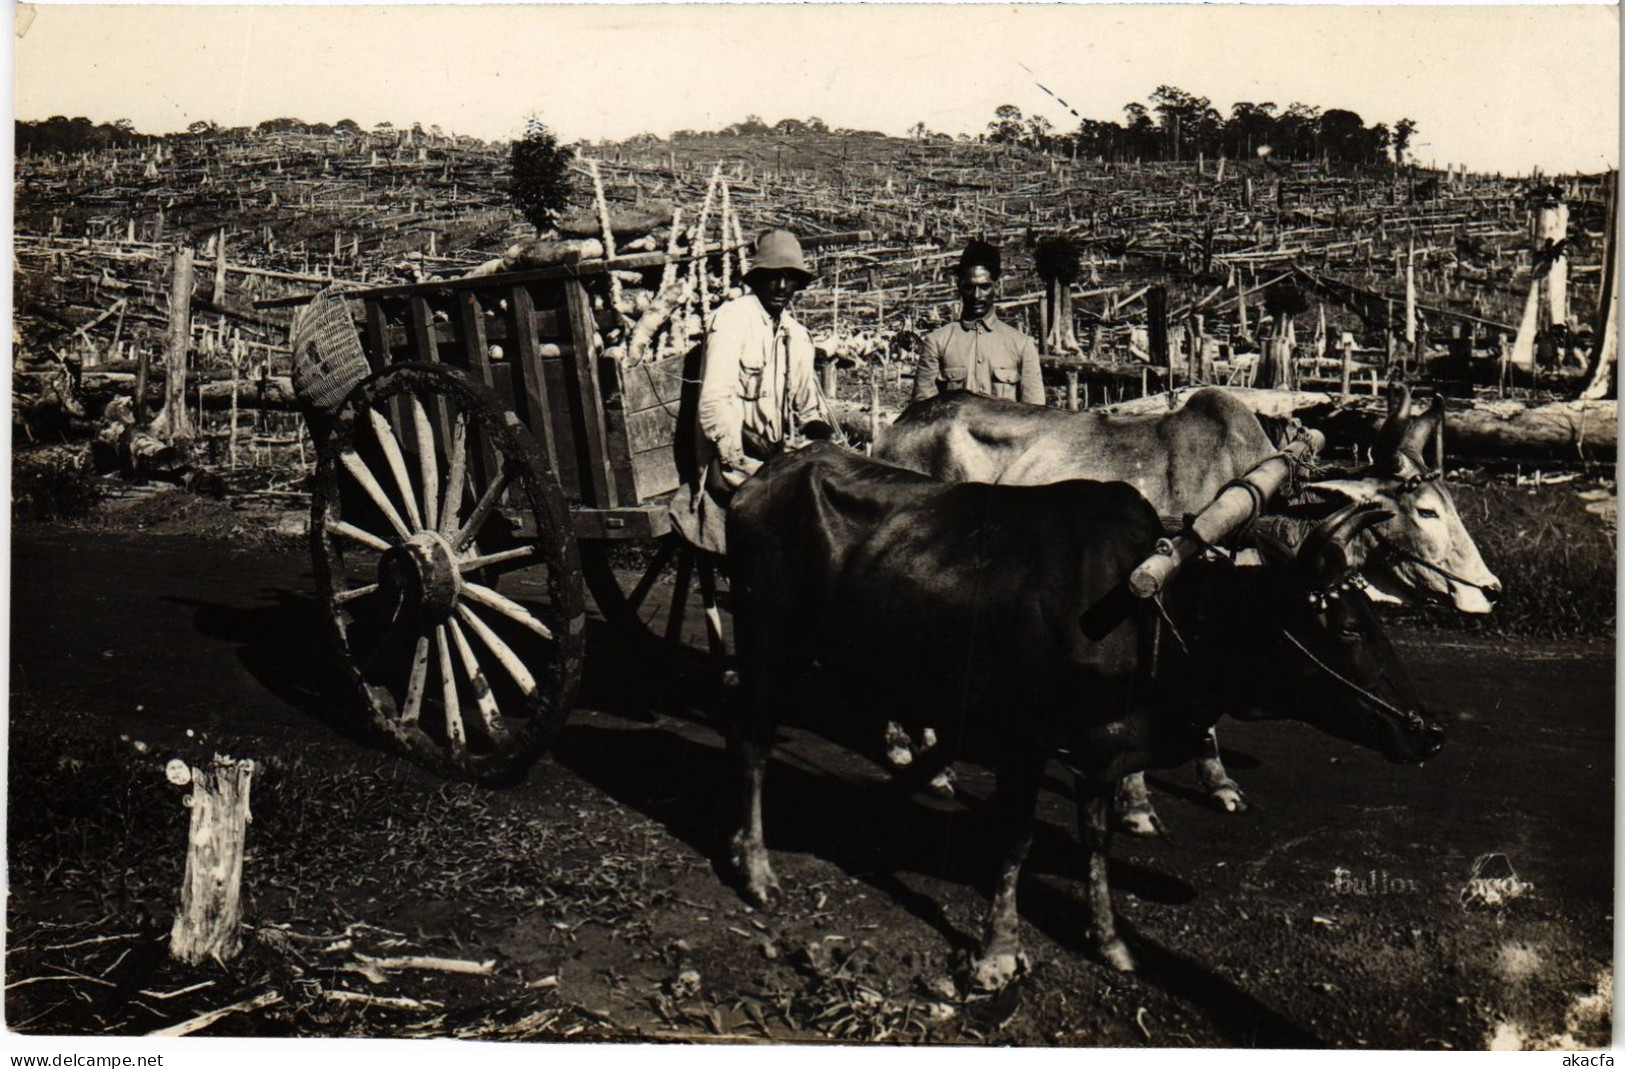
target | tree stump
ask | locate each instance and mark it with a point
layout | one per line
(211, 894)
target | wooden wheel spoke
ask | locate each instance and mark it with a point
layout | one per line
(500, 650)
(397, 465)
(456, 736)
(484, 595)
(501, 557)
(427, 464)
(646, 582)
(452, 503)
(679, 596)
(356, 534)
(385, 641)
(363, 475)
(482, 511)
(357, 592)
(484, 699)
(415, 683)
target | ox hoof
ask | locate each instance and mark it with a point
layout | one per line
(899, 747)
(1143, 822)
(761, 886)
(1228, 798)
(1115, 953)
(994, 972)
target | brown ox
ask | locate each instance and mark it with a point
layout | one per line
(1179, 461)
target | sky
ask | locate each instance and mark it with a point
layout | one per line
(1497, 88)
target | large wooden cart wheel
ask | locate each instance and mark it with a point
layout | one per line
(450, 573)
(668, 602)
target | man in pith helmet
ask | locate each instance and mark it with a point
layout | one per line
(758, 391)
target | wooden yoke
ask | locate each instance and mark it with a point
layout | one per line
(1237, 503)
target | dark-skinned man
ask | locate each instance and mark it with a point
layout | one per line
(979, 352)
(758, 392)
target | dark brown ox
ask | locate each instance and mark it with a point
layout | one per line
(1003, 612)
(1180, 461)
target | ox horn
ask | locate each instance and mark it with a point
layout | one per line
(1428, 424)
(1392, 433)
(1324, 557)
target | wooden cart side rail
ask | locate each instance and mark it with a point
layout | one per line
(500, 280)
(443, 286)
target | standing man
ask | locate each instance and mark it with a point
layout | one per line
(757, 388)
(980, 352)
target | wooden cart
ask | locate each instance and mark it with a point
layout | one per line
(493, 464)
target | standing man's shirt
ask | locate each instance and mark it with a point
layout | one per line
(984, 356)
(755, 378)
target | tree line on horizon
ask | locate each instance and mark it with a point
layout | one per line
(1179, 125)
(62, 134)
(1172, 125)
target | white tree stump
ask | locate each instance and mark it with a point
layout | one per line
(211, 912)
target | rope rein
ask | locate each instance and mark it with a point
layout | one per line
(1412, 719)
(1406, 555)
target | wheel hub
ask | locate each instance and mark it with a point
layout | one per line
(422, 575)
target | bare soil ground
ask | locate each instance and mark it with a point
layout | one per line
(1340, 911)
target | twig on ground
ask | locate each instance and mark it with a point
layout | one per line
(202, 1021)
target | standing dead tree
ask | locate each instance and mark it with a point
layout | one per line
(1057, 263)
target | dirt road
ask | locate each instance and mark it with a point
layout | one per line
(1340, 910)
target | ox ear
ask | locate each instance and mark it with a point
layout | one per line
(1352, 491)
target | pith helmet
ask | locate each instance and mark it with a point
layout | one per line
(779, 250)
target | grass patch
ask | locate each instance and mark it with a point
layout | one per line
(1555, 560)
(53, 483)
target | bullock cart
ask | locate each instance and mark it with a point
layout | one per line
(482, 462)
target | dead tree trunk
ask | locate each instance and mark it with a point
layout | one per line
(211, 912)
(1605, 335)
(172, 423)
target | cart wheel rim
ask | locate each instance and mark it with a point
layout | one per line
(450, 575)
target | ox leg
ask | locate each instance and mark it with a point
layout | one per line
(1095, 833)
(751, 741)
(1215, 781)
(1000, 958)
(749, 848)
(1134, 812)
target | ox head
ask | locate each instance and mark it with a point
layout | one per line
(1422, 551)
(1329, 662)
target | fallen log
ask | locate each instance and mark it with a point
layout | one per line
(1560, 431)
